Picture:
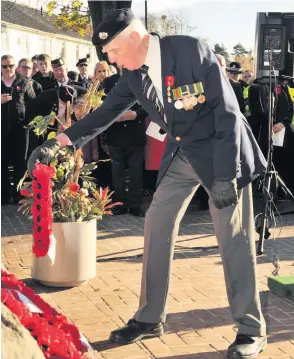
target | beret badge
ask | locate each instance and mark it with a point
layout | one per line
(103, 35)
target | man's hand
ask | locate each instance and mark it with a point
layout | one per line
(127, 116)
(43, 154)
(5, 97)
(278, 127)
(224, 193)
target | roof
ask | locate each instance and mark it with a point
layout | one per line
(30, 17)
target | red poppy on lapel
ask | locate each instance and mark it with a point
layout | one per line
(18, 88)
(169, 80)
(278, 90)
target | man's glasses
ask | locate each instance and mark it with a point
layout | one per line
(5, 66)
(83, 65)
(26, 67)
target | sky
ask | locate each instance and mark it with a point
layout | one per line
(221, 21)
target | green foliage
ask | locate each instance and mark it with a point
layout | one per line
(239, 50)
(221, 50)
(40, 124)
(71, 16)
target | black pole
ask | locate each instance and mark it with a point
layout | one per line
(146, 15)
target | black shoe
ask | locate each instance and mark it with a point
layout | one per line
(246, 347)
(119, 211)
(137, 211)
(134, 331)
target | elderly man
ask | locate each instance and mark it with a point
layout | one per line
(180, 84)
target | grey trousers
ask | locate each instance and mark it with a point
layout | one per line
(234, 229)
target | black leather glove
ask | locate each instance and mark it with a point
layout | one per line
(224, 193)
(43, 154)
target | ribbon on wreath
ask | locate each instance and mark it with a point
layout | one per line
(42, 211)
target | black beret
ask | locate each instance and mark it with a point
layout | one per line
(84, 61)
(235, 67)
(112, 25)
(70, 93)
(57, 62)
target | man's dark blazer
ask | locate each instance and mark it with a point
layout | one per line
(87, 82)
(214, 136)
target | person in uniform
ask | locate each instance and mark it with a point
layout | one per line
(179, 82)
(84, 78)
(233, 71)
(246, 83)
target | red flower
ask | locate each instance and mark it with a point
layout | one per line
(169, 81)
(18, 88)
(26, 193)
(74, 187)
(278, 90)
(56, 336)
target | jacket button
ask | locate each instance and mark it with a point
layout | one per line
(178, 138)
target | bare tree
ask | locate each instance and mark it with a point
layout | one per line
(170, 24)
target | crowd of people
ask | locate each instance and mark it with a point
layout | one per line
(40, 85)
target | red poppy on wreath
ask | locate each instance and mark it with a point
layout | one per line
(26, 193)
(169, 80)
(278, 90)
(18, 88)
(74, 187)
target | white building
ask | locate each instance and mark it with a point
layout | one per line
(26, 32)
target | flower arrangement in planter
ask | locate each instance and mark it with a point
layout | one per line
(55, 334)
(64, 204)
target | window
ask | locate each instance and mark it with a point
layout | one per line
(62, 49)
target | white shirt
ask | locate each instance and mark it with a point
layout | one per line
(153, 61)
(62, 83)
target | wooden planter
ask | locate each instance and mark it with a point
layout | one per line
(75, 260)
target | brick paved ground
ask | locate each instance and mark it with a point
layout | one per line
(198, 324)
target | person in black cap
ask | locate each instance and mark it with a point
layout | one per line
(233, 71)
(84, 78)
(60, 74)
(178, 80)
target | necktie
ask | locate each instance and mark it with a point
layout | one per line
(149, 90)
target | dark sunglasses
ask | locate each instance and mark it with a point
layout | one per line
(26, 67)
(83, 65)
(5, 66)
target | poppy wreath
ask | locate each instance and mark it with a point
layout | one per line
(42, 209)
(55, 335)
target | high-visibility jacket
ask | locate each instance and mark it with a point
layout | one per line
(246, 100)
(291, 93)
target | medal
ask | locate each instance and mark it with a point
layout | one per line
(178, 104)
(187, 103)
(201, 99)
(194, 101)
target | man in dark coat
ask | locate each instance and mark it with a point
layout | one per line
(126, 141)
(180, 84)
(84, 77)
(16, 93)
(44, 76)
(25, 68)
